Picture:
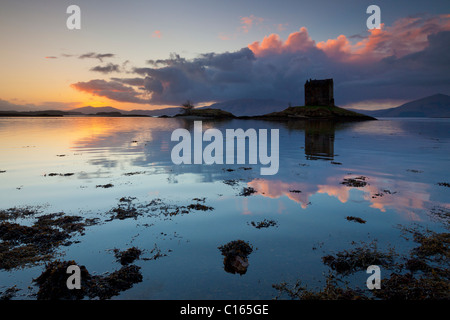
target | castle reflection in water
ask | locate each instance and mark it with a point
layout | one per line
(319, 140)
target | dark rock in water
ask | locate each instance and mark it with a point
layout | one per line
(415, 264)
(355, 219)
(9, 293)
(199, 206)
(236, 253)
(59, 174)
(52, 282)
(29, 244)
(357, 182)
(247, 191)
(351, 261)
(231, 182)
(128, 256)
(108, 185)
(263, 224)
(111, 285)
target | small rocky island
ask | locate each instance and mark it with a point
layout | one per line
(316, 112)
(206, 113)
(319, 104)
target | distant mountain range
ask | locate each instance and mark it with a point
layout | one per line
(435, 106)
(157, 112)
(239, 107)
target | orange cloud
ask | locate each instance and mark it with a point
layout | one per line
(405, 36)
(296, 41)
(336, 48)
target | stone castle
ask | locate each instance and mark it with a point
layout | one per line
(319, 93)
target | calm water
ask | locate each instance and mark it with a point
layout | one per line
(402, 160)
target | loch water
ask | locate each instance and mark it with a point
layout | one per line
(84, 166)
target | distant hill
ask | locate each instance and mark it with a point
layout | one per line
(94, 110)
(104, 110)
(43, 113)
(250, 107)
(207, 113)
(157, 112)
(435, 106)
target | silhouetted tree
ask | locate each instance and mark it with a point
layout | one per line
(187, 107)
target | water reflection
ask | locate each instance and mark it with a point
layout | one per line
(401, 161)
(319, 140)
(101, 147)
(405, 197)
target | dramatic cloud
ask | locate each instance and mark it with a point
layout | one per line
(209, 77)
(110, 89)
(110, 67)
(407, 60)
(405, 36)
(298, 41)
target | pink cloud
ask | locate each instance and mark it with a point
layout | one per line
(248, 22)
(296, 41)
(405, 36)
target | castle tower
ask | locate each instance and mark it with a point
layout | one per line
(319, 93)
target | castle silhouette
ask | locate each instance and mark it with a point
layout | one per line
(319, 92)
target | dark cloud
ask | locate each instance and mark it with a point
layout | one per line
(110, 67)
(412, 76)
(99, 56)
(110, 89)
(130, 81)
(208, 77)
(281, 74)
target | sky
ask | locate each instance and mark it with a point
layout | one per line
(155, 54)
